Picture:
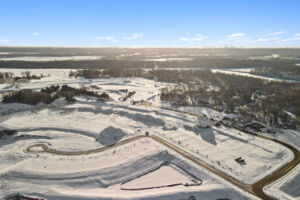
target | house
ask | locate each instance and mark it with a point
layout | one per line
(259, 95)
(203, 122)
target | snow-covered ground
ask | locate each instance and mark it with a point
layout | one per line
(220, 146)
(108, 174)
(54, 73)
(197, 110)
(289, 136)
(248, 74)
(50, 58)
(242, 69)
(287, 187)
(89, 124)
(167, 59)
(267, 57)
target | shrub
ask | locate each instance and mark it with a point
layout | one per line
(28, 97)
(46, 95)
(50, 89)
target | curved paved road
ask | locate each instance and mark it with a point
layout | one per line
(256, 188)
(45, 149)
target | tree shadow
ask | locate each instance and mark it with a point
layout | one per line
(110, 136)
(206, 134)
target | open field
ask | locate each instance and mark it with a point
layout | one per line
(89, 124)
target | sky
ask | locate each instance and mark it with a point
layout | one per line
(184, 23)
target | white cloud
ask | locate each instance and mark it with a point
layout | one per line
(236, 36)
(198, 37)
(267, 39)
(134, 36)
(107, 38)
(137, 35)
(276, 33)
(295, 38)
(3, 41)
(35, 34)
(291, 39)
(236, 39)
(241, 39)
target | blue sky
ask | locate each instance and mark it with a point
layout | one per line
(150, 23)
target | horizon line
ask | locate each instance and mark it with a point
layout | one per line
(135, 47)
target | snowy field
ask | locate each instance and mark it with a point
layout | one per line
(50, 58)
(137, 170)
(248, 74)
(287, 187)
(111, 174)
(167, 59)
